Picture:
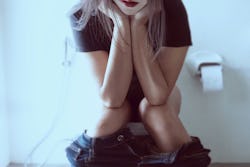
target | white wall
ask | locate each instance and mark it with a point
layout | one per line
(220, 119)
(4, 144)
(34, 72)
(36, 32)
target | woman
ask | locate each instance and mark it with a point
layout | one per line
(136, 49)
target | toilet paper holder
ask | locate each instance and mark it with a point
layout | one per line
(199, 59)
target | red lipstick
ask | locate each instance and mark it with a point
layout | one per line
(129, 3)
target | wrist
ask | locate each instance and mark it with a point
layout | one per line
(121, 22)
(134, 21)
(121, 32)
(137, 29)
(123, 27)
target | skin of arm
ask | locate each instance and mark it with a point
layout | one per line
(119, 68)
(157, 77)
(171, 60)
(148, 72)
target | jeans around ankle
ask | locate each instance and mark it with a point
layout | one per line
(107, 151)
(123, 149)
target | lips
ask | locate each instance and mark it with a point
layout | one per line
(129, 3)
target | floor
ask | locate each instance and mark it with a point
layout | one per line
(230, 165)
(213, 165)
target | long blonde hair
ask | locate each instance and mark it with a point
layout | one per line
(156, 23)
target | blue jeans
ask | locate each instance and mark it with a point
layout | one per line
(123, 149)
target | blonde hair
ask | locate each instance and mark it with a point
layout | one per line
(156, 24)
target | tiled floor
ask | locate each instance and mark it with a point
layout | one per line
(213, 165)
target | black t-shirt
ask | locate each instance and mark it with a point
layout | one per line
(93, 38)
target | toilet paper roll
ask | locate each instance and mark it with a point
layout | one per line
(212, 78)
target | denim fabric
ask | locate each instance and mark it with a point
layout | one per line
(107, 151)
(123, 149)
(192, 154)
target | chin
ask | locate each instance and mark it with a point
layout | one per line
(130, 12)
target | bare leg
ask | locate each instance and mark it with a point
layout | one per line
(163, 123)
(110, 120)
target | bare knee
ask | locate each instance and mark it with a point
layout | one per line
(172, 105)
(124, 107)
(144, 108)
(150, 112)
(109, 120)
(121, 113)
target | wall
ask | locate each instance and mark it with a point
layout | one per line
(4, 144)
(35, 81)
(220, 119)
(34, 72)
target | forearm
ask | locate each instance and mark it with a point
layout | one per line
(119, 68)
(148, 71)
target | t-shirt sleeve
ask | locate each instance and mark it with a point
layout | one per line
(92, 37)
(177, 26)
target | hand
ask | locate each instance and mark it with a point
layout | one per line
(141, 17)
(117, 16)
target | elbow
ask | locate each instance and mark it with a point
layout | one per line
(112, 103)
(110, 100)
